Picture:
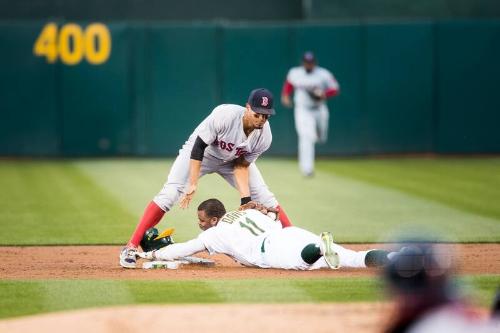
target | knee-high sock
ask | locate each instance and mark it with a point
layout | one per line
(152, 215)
(285, 221)
(311, 253)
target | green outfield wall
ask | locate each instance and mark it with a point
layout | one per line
(122, 88)
(255, 10)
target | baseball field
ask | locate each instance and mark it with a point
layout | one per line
(64, 222)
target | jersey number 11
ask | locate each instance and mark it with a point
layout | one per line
(251, 226)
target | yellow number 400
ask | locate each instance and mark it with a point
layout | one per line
(72, 44)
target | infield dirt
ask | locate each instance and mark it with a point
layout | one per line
(101, 262)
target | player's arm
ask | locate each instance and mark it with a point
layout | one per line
(194, 170)
(241, 177)
(286, 91)
(332, 86)
(242, 164)
(175, 251)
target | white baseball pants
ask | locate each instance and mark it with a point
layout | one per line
(178, 178)
(312, 127)
(282, 249)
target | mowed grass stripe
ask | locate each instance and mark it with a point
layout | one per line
(342, 290)
(30, 297)
(134, 183)
(74, 294)
(469, 184)
(355, 211)
(55, 203)
(358, 211)
(174, 292)
(260, 291)
(21, 298)
(57, 295)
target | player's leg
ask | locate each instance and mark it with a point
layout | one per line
(355, 259)
(258, 189)
(162, 203)
(322, 120)
(291, 248)
(305, 125)
(297, 248)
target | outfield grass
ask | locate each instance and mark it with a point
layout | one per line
(471, 185)
(30, 297)
(100, 201)
(360, 200)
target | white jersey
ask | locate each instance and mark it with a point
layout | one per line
(302, 81)
(253, 239)
(240, 235)
(223, 131)
(451, 318)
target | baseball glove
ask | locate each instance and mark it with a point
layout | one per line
(154, 241)
(316, 94)
(269, 211)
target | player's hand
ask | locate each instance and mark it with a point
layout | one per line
(186, 200)
(258, 206)
(317, 94)
(146, 255)
(286, 101)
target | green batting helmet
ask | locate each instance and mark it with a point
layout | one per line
(150, 241)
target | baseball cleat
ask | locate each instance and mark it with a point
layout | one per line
(376, 258)
(326, 247)
(127, 257)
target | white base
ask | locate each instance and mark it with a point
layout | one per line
(160, 265)
(175, 264)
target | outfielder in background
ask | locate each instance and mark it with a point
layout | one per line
(253, 239)
(312, 86)
(227, 142)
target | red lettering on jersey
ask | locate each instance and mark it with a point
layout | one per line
(224, 145)
(240, 151)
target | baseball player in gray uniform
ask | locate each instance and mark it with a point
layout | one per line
(253, 239)
(312, 86)
(227, 142)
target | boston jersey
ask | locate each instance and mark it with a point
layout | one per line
(240, 234)
(223, 131)
(302, 82)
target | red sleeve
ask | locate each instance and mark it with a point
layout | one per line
(330, 92)
(287, 88)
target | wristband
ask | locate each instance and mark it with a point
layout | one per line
(245, 200)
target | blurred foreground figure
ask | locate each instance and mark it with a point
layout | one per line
(419, 280)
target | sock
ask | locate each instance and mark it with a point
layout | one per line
(311, 253)
(376, 258)
(152, 215)
(285, 221)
